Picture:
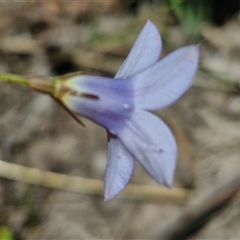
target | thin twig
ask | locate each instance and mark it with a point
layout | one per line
(89, 186)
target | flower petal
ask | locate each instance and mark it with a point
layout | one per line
(145, 52)
(119, 168)
(151, 142)
(166, 81)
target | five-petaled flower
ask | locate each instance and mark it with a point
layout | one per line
(122, 105)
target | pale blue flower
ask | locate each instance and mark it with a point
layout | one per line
(122, 105)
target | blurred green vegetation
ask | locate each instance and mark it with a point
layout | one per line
(6, 233)
(191, 15)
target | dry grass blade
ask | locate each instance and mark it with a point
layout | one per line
(89, 186)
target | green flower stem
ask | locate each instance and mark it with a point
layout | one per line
(39, 84)
(13, 78)
(51, 86)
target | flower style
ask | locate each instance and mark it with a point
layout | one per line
(122, 105)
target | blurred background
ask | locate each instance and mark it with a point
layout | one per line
(52, 38)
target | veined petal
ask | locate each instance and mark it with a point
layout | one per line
(166, 81)
(119, 168)
(105, 101)
(151, 142)
(145, 52)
